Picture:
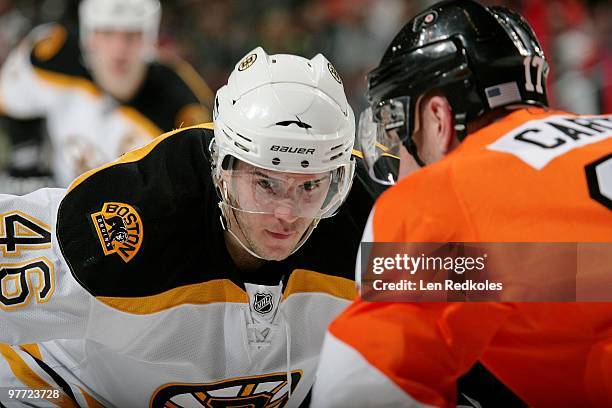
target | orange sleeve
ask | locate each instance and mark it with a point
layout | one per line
(421, 347)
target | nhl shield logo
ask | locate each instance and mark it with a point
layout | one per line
(263, 303)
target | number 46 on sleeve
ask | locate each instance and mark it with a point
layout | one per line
(19, 231)
(26, 279)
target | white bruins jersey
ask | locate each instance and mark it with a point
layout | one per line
(45, 77)
(130, 268)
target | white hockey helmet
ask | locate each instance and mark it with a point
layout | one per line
(126, 15)
(288, 114)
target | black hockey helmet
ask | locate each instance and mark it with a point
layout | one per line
(481, 58)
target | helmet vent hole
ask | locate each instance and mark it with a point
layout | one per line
(305, 163)
(233, 102)
(336, 147)
(238, 145)
(227, 135)
(276, 161)
(336, 156)
(244, 137)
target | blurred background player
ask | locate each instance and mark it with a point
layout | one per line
(461, 90)
(101, 91)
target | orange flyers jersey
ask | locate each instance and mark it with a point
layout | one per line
(533, 176)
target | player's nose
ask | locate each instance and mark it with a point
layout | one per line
(285, 212)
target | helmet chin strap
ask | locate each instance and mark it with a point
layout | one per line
(412, 149)
(225, 225)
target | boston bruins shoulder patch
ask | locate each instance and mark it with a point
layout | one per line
(119, 230)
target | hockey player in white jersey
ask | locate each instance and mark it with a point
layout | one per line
(182, 274)
(101, 90)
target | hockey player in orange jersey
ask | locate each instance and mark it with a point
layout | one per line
(461, 91)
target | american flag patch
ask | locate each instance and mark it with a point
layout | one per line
(502, 94)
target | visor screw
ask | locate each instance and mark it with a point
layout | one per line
(276, 161)
(305, 163)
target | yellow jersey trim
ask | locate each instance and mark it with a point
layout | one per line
(305, 281)
(68, 81)
(29, 378)
(214, 291)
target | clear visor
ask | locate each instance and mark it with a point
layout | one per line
(382, 129)
(290, 195)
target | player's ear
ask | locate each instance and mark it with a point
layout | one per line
(441, 115)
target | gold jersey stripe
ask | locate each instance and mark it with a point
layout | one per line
(29, 378)
(357, 153)
(248, 390)
(2, 106)
(32, 349)
(214, 291)
(190, 115)
(131, 114)
(68, 81)
(140, 120)
(49, 46)
(224, 290)
(195, 82)
(136, 154)
(91, 401)
(305, 281)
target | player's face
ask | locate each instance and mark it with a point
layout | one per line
(283, 202)
(117, 61)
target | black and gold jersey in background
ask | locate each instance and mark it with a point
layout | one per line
(47, 77)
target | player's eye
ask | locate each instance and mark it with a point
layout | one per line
(267, 186)
(311, 185)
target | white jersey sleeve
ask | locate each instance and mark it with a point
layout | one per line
(23, 94)
(39, 298)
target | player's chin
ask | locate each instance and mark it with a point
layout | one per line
(273, 250)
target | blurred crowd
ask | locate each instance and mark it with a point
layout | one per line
(213, 34)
